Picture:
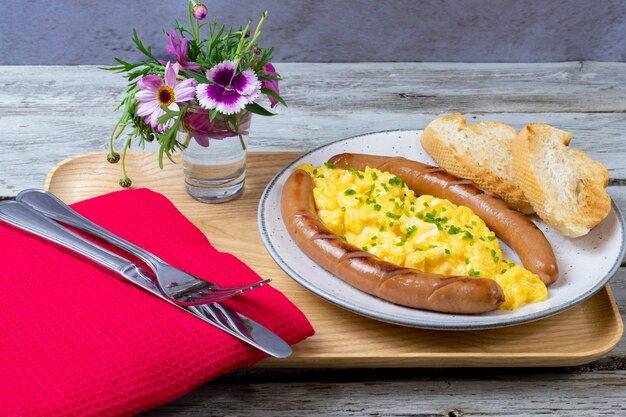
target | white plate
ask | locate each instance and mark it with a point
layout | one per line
(585, 264)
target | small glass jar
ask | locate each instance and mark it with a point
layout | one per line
(214, 154)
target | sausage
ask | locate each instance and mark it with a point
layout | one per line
(513, 227)
(365, 271)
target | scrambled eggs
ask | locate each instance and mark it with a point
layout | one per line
(378, 213)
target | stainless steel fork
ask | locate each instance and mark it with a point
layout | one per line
(181, 287)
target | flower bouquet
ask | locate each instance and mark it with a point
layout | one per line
(207, 90)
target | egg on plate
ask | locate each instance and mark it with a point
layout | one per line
(377, 212)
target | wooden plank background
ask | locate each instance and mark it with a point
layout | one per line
(327, 30)
(50, 113)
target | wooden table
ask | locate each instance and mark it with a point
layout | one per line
(50, 113)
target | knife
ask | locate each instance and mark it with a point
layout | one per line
(25, 218)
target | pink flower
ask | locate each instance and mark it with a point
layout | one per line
(199, 11)
(272, 85)
(230, 92)
(199, 124)
(154, 93)
(178, 49)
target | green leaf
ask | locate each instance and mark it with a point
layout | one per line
(169, 156)
(147, 52)
(169, 114)
(272, 93)
(201, 78)
(269, 77)
(161, 149)
(256, 109)
(172, 113)
(212, 114)
(163, 119)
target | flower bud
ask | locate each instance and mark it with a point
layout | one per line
(125, 182)
(113, 157)
(199, 11)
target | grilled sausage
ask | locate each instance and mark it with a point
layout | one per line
(365, 271)
(513, 227)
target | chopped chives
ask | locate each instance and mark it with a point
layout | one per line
(392, 215)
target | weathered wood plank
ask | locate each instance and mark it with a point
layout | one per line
(402, 393)
(59, 111)
(437, 87)
(50, 113)
(45, 140)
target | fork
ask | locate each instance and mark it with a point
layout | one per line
(179, 286)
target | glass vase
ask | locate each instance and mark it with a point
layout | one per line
(214, 154)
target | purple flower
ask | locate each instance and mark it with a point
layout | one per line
(269, 69)
(199, 11)
(178, 49)
(154, 93)
(230, 92)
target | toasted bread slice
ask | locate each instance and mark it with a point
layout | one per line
(480, 152)
(566, 188)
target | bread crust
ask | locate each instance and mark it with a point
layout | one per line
(592, 202)
(453, 161)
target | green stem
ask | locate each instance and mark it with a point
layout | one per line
(113, 135)
(126, 146)
(257, 32)
(187, 140)
(238, 117)
(190, 13)
(121, 131)
(242, 41)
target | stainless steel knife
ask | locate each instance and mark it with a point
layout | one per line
(25, 218)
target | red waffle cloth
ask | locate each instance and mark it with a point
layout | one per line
(78, 341)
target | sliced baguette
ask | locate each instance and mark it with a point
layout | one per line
(480, 152)
(565, 187)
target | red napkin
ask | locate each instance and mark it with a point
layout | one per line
(77, 341)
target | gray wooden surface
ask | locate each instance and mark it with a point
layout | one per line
(328, 30)
(50, 113)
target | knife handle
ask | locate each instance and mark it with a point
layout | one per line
(25, 218)
(50, 205)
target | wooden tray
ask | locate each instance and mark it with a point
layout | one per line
(343, 339)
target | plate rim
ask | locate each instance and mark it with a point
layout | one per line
(430, 324)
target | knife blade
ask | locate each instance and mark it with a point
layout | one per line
(25, 218)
